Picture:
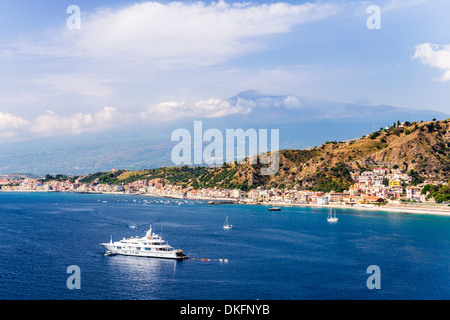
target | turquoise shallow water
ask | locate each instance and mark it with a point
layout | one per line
(291, 254)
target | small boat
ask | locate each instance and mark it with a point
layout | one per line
(226, 225)
(332, 218)
(274, 208)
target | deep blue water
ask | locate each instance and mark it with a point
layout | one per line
(291, 254)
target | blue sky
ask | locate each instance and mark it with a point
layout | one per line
(149, 61)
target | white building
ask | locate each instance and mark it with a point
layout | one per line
(322, 200)
(413, 193)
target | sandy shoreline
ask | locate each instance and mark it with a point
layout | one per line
(403, 208)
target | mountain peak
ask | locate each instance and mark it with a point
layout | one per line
(248, 95)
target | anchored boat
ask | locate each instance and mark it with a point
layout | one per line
(151, 246)
(226, 225)
(332, 218)
(274, 208)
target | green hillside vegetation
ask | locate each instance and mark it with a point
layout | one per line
(438, 193)
(170, 174)
(420, 149)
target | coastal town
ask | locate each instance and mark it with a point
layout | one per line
(374, 188)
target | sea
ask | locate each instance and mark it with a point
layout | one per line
(292, 254)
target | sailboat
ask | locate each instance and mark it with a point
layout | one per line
(226, 225)
(332, 218)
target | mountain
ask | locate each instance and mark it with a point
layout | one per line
(302, 123)
(422, 150)
(13, 176)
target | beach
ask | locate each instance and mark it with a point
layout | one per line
(435, 209)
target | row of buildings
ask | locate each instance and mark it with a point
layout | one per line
(370, 188)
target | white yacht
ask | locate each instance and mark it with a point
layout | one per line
(152, 246)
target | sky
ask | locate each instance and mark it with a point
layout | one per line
(152, 61)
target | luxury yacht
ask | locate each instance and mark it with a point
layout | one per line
(151, 245)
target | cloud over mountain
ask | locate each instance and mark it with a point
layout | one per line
(247, 109)
(175, 110)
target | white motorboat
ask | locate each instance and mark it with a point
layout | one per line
(274, 208)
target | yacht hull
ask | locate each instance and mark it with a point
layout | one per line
(110, 250)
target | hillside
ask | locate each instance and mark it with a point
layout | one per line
(173, 175)
(420, 149)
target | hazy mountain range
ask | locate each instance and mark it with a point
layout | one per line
(302, 123)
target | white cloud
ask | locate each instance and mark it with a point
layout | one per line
(10, 121)
(50, 123)
(435, 56)
(175, 34)
(209, 108)
(292, 102)
(10, 125)
(445, 76)
(53, 124)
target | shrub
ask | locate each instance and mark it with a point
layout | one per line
(374, 135)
